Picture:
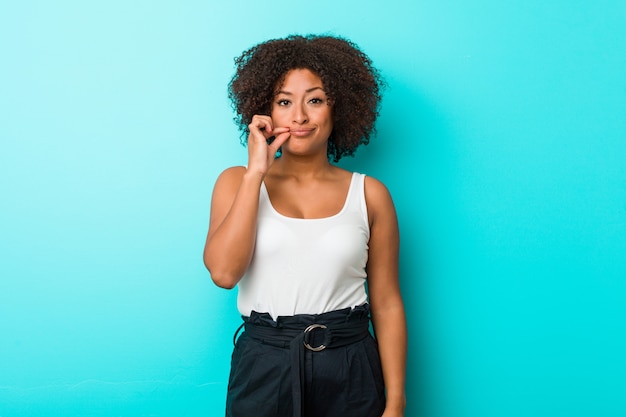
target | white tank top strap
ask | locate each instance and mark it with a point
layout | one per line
(357, 195)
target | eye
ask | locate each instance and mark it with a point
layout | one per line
(282, 102)
(316, 100)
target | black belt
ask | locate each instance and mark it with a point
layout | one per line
(297, 337)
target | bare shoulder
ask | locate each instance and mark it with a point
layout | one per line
(229, 179)
(226, 186)
(224, 192)
(376, 191)
(378, 199)
(232, 174)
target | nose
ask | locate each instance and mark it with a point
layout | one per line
(299, 114)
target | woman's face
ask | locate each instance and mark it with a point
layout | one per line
(302, 105)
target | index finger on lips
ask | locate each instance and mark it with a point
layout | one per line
(279, 140)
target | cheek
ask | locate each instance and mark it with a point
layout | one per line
(330, 115)
(329, 120)
(277, 117)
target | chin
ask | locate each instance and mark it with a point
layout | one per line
(301, 150)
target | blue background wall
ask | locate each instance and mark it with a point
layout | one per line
(502, 138)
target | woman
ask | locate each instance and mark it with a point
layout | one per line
(301, 238)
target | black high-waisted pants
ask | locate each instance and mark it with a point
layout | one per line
(337, 375)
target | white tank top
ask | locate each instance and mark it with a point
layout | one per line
(308, 266)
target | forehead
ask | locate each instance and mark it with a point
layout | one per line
(299, 79)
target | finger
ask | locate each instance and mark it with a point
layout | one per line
(279, 130)
(278, 141)
(261, 123)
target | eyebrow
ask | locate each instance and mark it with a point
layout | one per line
(307, 91)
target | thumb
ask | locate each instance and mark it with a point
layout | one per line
(278, 141)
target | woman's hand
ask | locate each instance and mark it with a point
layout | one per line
(260, 154)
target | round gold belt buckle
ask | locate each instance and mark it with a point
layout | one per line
(308, 330)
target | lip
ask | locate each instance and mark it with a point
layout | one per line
(300, 131)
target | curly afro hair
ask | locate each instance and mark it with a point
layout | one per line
(351, 83)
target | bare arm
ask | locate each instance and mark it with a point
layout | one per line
(232, 227)
(234, 206)
(388, 315)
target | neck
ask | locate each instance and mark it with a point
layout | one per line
(301, 167)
